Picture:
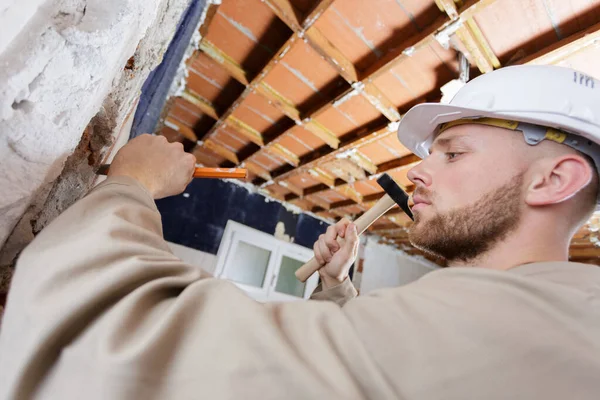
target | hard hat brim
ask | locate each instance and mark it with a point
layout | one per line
(420, 124)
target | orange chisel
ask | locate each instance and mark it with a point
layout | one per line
(200, 172)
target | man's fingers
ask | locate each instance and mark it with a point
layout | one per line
(330, 236)
(351, 234)
(350, 249)
(317, 252)
(341, 227)
(326, 252)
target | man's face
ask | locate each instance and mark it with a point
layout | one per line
(468, 191)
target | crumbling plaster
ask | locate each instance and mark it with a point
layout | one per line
(67, 67)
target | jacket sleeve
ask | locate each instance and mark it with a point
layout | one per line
(99, 306)
(340, 294)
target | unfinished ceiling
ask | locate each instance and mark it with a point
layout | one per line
(307, 94)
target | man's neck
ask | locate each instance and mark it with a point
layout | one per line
(524, 246)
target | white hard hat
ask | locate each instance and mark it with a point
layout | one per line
(542, 95)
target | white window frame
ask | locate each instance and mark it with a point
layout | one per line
(236, 232)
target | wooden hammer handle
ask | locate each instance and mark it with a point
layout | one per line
(362, 223)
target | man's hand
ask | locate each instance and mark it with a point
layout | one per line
(336, 259)
(162, 167)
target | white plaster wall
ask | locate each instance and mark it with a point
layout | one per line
(198, 258)
(61, 63)
(385, 266)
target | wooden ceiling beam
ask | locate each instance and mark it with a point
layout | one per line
(380, 101)
(245, 130)
(284, 154)
(390, 166)
(221, 150)
(586, 252)
(278, 101)
(293, 188)
(201, 103)
(407, 48)
(322, 176)
(478, 47)
(227, 62)
(182, 128)
(258, 170)
(362, 138)
(285, 10)
(566, 47)
(322, 132)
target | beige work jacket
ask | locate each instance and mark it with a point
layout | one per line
(101, 309)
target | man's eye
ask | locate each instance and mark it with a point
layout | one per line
(451, 156)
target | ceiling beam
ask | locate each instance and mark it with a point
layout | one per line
(361, 138)
(566, 47)
(288, 14)
(478, 47)
(340, 185)
(227, 62)
(182, 128)
(201, 103)
(404, 50)
(245, 130)
(221, 150)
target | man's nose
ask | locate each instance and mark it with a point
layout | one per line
(419, 175)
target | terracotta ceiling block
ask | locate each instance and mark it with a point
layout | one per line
(268, 161)
(254, 15)
(305, 138)
(293, 144)
(185, 112)
(232, 141)
(318, 201)
(239, 36)
(384, 150)
(256, 111)
(302, 74)
(348, 114)
(586, 61)
(207, 77)
(368, 187)
(534, 32)
(420, 74)
(336, 122)
(363, 31)
(330, 196)
(345, 169)
(303, 204)
(204, 86)
(586, 13)
(400, 177)
(303, 180)
(207, 157)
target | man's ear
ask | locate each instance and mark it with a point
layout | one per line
(554, 180)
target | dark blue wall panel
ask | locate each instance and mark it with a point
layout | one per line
(156, 87)
(198, 218)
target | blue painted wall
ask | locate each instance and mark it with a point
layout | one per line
(156, 87)
(198, 218)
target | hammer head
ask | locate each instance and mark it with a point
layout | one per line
(395, 192)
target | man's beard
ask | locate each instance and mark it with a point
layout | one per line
(466, 233)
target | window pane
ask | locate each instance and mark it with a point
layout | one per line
(286, 281)
(249, 265)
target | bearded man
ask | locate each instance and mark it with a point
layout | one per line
(100, 308)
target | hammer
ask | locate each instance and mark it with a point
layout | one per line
(393, 195)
